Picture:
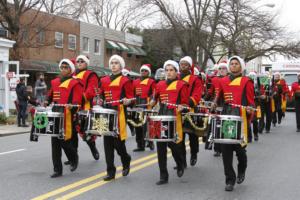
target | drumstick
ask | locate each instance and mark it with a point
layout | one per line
(176, 105)
(118, 101)
(65, 105)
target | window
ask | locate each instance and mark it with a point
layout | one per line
(3, 31)
(40, 36)
(59, 40)
(72, 42)
(85, 44)
(97, 47)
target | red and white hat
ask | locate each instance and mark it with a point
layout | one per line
(173, 63)
(222, 64)
(187, 59)
(241, 61)
(119, 59)
(84, 58)
(70, 62)
(146, 67)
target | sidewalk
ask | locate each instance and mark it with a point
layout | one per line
(6, 130)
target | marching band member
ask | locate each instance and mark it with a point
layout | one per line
(195, 88)
(144, 88)
(89, 79)
(65, 90)
(172, 91)
(116, 88)
(236, 89)
(280, 91)
(296, 96)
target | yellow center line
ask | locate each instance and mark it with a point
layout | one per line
(95, 177)
(101, 183)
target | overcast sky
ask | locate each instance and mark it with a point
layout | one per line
(289, 15)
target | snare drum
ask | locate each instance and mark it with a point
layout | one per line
(102, 121)
(197, 123)
(227, 129)
(48, 123)
(135, 117)
(162, 129)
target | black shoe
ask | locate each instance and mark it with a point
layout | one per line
(19, 125)
(180, 172)
(25, 125)
(217, 154)
(274, 124)
(56, 174)
(73, 166)
(256, 138)
(267, 131)
(193, 160)
(279, 121)
(139, 149)
(109, 177)
(151, 146)
(298, 130)
(229, 187)
(162, 182)
(240, 178)
(67, 162)
(126, 169)
(94, 150)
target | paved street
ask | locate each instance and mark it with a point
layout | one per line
(273, 172)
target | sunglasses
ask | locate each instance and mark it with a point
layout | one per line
(80, 61)
(143, 70)
(222, 68)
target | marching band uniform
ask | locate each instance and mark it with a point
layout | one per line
(172, 92)
(236, 90)
(113, 89)
(296, 94)
(144, 88)
(195, 88)
(280, 91)
(89, 79)
(65, 90)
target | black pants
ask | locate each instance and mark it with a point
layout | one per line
(277, 115)
(69, 149)
(253, 129)
(227, 155)
(140, 137)
(22, 115)
(110, 144)
(194, 145)
(297, 111)
(162, 157)
(266, 116)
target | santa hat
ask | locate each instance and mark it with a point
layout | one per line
(125, 71)
(146, 67)
(196, 71)
(187, 59)
(70, 62)
(173, 63)
(252, 74)
(277, 73)
(119, 59)
(241, 61)
(222, 64)
(84, 58)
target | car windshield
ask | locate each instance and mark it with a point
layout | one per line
(290, 78)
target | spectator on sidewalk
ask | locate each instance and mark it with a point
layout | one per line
(22, 102)
(40, 89)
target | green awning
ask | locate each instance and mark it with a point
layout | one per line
(133, 50)
(142, 52)
(123, 46)
(112, 45)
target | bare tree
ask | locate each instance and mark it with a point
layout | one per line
(118, 14)
(251, 33)
(11, 14)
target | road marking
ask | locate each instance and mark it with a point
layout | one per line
(89, 179)
(13, 151)
(101, 183)
(95, 177)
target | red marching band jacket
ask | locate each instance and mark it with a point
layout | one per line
(67, 92)
(236, 91)
(174, 93)
(143, 90)
(195, 89)
(295, 91)
(115, 90)
(89, 79)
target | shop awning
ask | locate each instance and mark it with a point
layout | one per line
(37, 65)
(123, 46)
(136, 50)
(112, 45)
(142, 52)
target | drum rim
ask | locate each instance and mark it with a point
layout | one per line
(54, 114)
(198, 114)
(100, 110)
(163, 118)
(135, 109)
(226, 117)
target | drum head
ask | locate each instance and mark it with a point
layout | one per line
(98, 109)
(55, 114)
(163, 118)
